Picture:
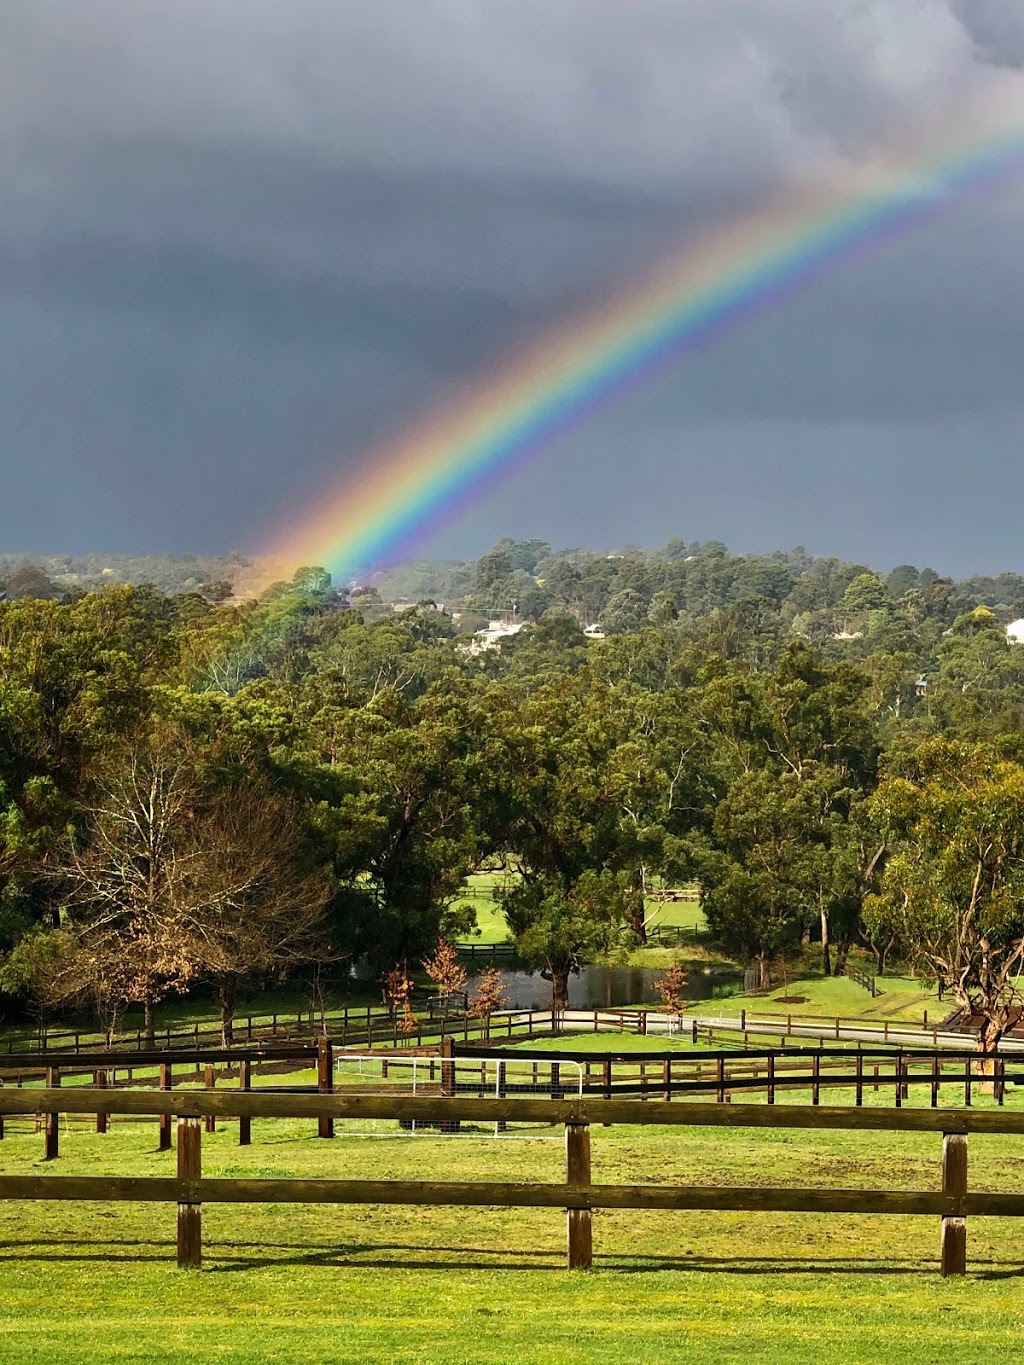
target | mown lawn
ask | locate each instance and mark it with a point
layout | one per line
(91, 1283)
(902, 999)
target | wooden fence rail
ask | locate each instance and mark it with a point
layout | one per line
(578, 1195)
(373, 1028)
(894, 1074)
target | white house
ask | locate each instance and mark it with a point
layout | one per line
(1015, 631)
(493, 634)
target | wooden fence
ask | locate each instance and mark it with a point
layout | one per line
(365, 1028)
(491, 953)
(578, 1195)
(246, 1029)
(862, 979)
(897, 1074)
(348, 1028)
(864, 1071)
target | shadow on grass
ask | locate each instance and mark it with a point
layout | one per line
(245, 1256)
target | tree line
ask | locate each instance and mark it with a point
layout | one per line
(199, 792)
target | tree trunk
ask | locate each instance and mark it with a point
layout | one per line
(638, 925)
(149, 1021)
(826, 954)
(764, 973)
(842, 954)
(989, 1037)
(559, 989)
(805, 935)
(880, 955)
(226, 996)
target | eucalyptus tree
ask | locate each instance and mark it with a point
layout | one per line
(952, 893)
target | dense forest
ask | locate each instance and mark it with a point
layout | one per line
(198, 786)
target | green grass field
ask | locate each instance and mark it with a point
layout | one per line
(491, 926)
(902, 998)
(92, 1283)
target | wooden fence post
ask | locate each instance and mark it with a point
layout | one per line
(190, 1211)
(244, 1121)
(771, 1078)
(210, 1077)
(579, 1233)
(953, 1246)
(164, 1142)
(859, 1094)
(52, 1120)
(102, 1119)
(325, 1083)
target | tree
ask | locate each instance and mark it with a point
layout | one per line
(795, 751)
(254, 900)
(556, 926)
(396, 790)
(626, 612)
(29, 581)
(445, 969)
(489, 997)
(670, 987)
(556, 811)
(174, 882)
(902, 578)
(398, 989)
(492, 567)
(952, 893)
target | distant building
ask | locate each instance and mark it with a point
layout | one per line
(493, 634)
(594, 632)
(921, 687)
(1015, 631)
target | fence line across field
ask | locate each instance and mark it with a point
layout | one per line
(577, 1195)
(501, 1076)
(372, 1028)
(678, 1073)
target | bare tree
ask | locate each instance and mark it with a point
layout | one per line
(175, 884)
(250, 905)
(125, 886)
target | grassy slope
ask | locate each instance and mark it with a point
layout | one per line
(902, 998)
(84, 1283)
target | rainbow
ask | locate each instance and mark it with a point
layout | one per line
(407, 488)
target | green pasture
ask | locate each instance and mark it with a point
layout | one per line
(491, 927)
(903, 999)
(97, 1283)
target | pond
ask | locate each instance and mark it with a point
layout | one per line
(606, 987)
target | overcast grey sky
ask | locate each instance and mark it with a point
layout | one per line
(242, 240)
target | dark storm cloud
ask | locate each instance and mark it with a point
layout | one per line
(243, 239)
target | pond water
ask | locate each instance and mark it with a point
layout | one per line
(605, 987)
